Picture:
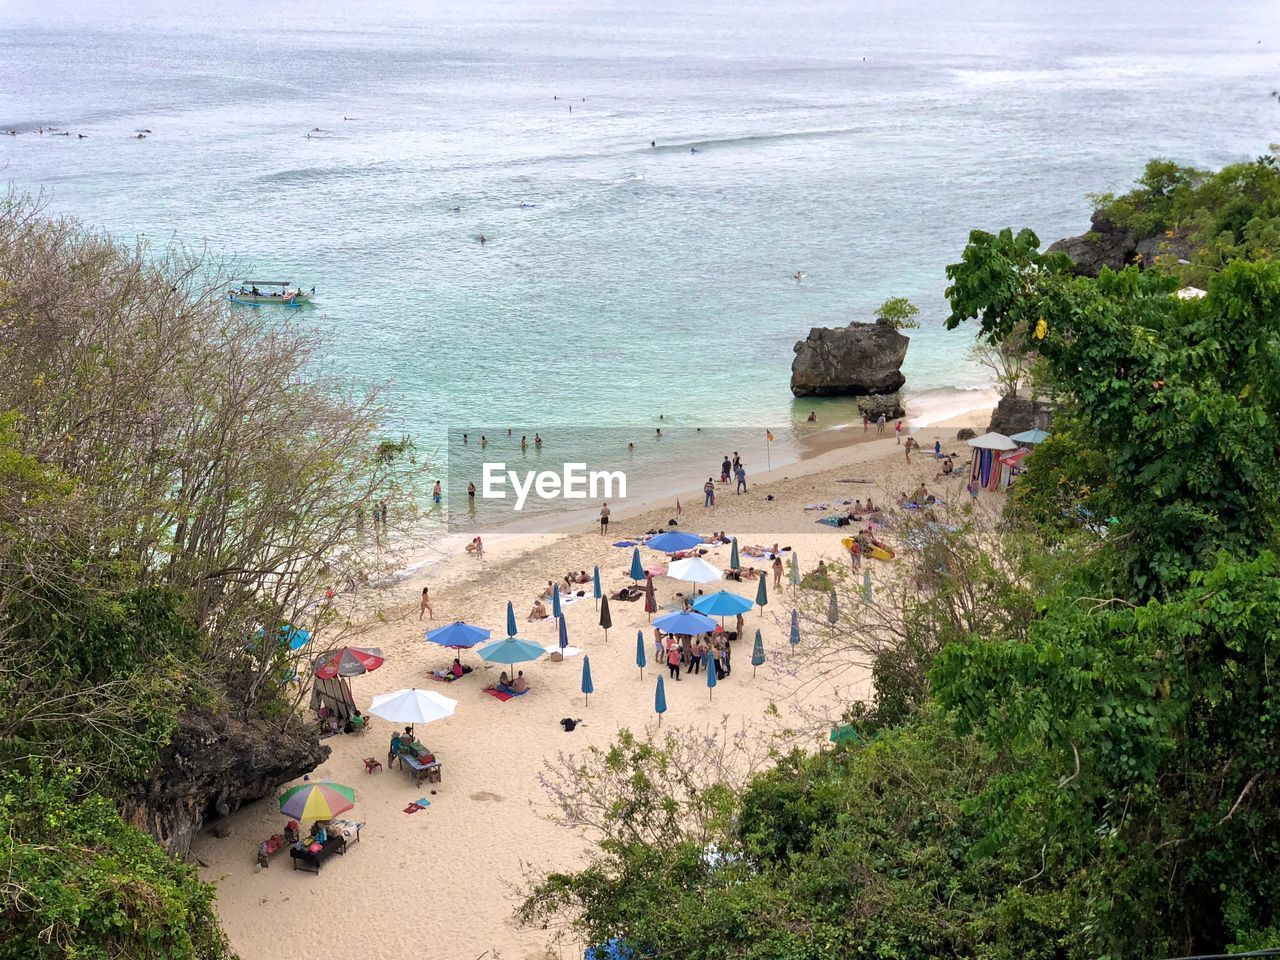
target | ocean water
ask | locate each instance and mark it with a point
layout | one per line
(856, 142)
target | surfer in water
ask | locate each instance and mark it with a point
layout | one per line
(798, 276)
(653, 143)
(483, 239)
(693, 149)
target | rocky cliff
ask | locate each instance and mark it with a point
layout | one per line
(1017, 414)
(862, 359)
(1109, 245)
(212, 766)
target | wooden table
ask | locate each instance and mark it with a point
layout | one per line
(421, 771)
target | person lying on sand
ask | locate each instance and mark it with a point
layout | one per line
(628, 594)
(743, 573)
(539, 612)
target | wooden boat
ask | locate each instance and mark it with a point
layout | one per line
(259, 292)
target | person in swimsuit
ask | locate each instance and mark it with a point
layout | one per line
(604, 519)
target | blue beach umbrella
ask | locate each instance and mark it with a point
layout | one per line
(734, 562)
(640, 652)
(674, 541)
(685, 623)
(296, 637)
(722, 604)
(762, 594)
(711, 674)
(588, 687)
(596, 592)
(637, 568)
(555, 603)
(458, 635)
(660, 700)
(564, 634)
(795, 630)
(757, 653)
(511, 620)
(510, 651)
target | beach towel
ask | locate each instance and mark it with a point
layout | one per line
(423, 802)
(567, 651)
(625, 543)
(412, 808)
(504, 696)
(831, 521)
(818, 506)
(656, 571)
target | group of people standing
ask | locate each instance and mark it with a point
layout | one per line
(692, 653)
(728, 469)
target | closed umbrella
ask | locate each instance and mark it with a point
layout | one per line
(555, 602)
(795, 569)
(564, 634)
(317, 801)
(650, 599)
(686, 624)
(637, 568)
(587, 687)
(762, 594)
(795, 630)
(866, 584)
(511, 620)
(833, 610)
(596, 592)
(734, 562)
(660, 700)
(757, 653)
(606, 618)
(458, 635)
(640, 652)
(674, 541)
(711, 674)
(412, 706)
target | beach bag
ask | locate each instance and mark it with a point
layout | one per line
(569, 723)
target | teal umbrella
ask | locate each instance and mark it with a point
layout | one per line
(637, 568)
(564, 633)
(660, 700)
(711, 674)
(511, 650)
(762, 594)
(596, 592)
(640, 652)
(734, 562)
(555, 602)
(587, 687)
(606, 618)
(757, 653)
(795, 630)
(795, 569)
(511, 620)
(722, 604)
(833, 611)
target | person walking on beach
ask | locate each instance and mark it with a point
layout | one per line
(673, 660)
(709, 491)
(424, 605)
(742, 479)
(937, 449)
(659, 651)
(604, 519)
(897, 430)
(880, 421)
(436, 493)
(777, 570)
(866, 421)
(973, 488)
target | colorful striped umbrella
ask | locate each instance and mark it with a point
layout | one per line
(606, 618)
(762, 594)
(588, 687)
(347, 662)
(637, 568)
(316, 801)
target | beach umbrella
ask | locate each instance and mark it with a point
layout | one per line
(762, 594)
(673, 541)
(596, 592)
(555, 602)
(689, 624)
(606, 618)
(833, 611)
(734, 562)
(757, 653)
(660, 700)
(511, 620)
(694, 570)
(640, 652)
(637, 568)
(711, 674)
(992, 441)
(588, 687)
(458, 635)
(564, 633)
(795, 629)
(722, 604)
(866, 584)
(412, 706)
(650, 599)
(347, 662)
(511, 650)
(795, 569)
(295, 637)
(317, 801)
(1030, 436)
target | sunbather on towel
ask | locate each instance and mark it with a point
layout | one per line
(539, 612)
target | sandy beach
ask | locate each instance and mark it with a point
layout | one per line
(441, 882)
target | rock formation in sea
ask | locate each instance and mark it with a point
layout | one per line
(212, 766)
(860, 360)
(1108, 244)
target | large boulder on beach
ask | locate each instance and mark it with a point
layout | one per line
(1105, 245)
(859, 360)
(888, 405)
(1018, 414)
(213, 765)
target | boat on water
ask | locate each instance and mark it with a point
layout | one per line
(282, 294)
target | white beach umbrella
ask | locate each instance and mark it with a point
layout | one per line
(412, 706)
(694, 570)
(993, 441)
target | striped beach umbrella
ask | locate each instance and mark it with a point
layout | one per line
(660, 700)
(640, 652)
(734, 562)
(637, 568)
(588, 687)
(317, 801)
(762, 594)
(757, 653)
(347, 662)
(606, 618)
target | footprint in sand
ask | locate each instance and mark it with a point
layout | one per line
(486, 795)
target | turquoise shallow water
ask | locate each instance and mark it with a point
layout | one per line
(855, 142)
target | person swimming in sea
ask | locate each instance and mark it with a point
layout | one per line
(693, 149)
(483, 239)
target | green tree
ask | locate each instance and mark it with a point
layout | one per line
(898, 313)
